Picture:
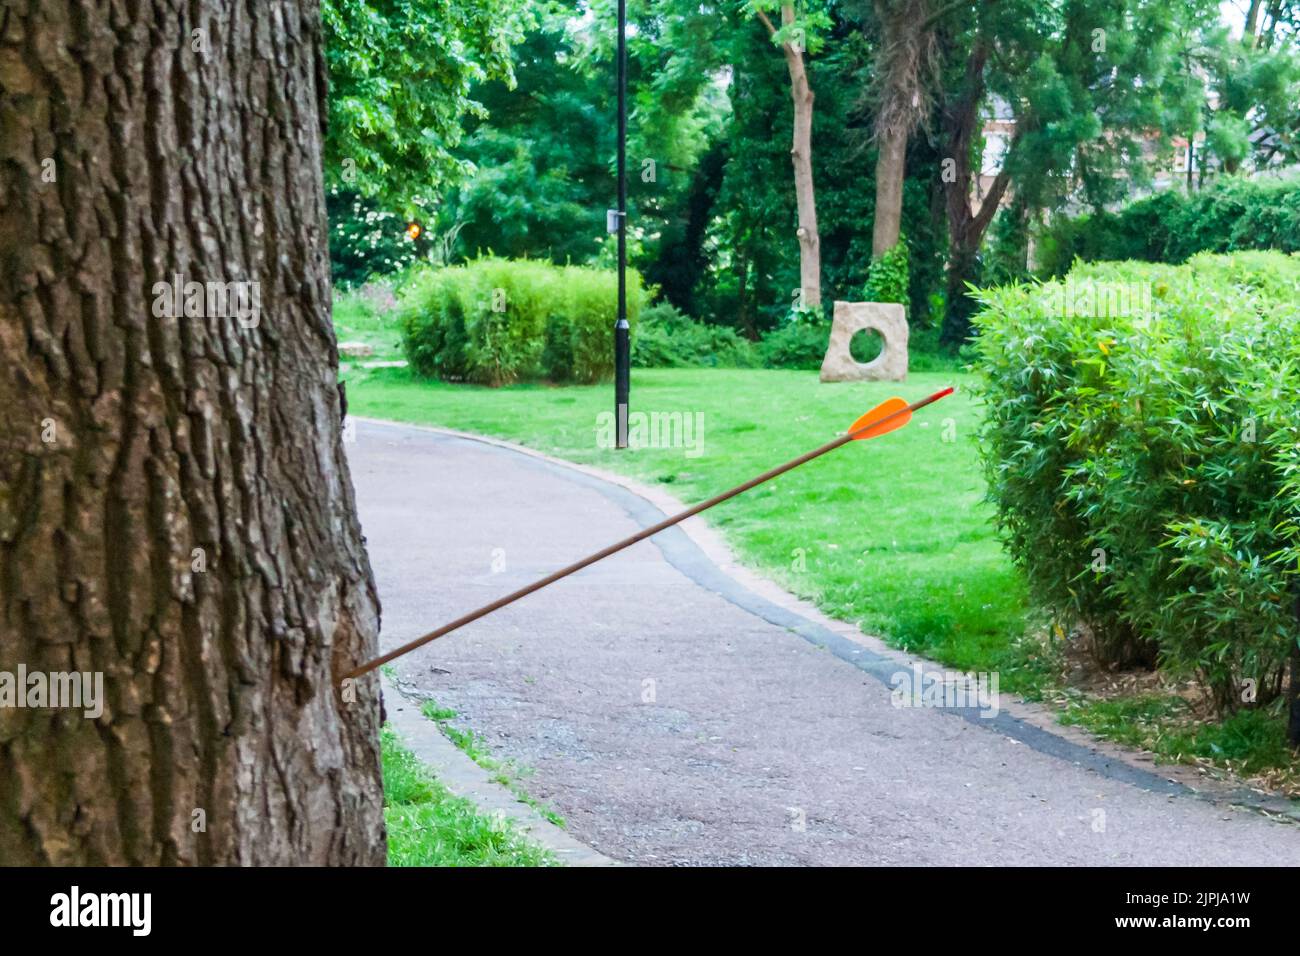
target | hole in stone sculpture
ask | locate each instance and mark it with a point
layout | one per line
(866, 345)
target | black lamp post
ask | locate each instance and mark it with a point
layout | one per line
(622, 334)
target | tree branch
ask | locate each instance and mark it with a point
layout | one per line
(942, 12)
(992, 199)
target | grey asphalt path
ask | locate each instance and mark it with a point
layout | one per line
(669, 724)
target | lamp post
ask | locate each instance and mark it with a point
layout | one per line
(622, 332)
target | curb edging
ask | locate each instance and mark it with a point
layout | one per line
(458, 772)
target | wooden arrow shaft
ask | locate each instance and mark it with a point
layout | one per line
(634, 538)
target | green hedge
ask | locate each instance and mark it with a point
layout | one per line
(495, 321)
(1145, 466)
(1230, 215)
(798, 343)
(667, 338)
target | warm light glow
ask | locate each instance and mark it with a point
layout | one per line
(413, 231)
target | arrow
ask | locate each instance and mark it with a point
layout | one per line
(889, 415)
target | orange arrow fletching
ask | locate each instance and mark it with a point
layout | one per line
(889, 406)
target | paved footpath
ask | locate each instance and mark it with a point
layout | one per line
(672, 717)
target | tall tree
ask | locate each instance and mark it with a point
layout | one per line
(541, 180)
(905, 56)
(1248, 90)
(1081, 83)
(797, 36)
(962, 137)
(543, 155)
(176, 512)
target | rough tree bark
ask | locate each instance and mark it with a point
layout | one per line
(175, 508)
(902, 64)
(891, 167)
(810, 256)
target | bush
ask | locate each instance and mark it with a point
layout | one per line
(1005, 256)
(887, 277)
(667, 338)
(495, 321)
(366, 241)
(1232, 214)
(796, 344)
(1145, 462)
(580, 330)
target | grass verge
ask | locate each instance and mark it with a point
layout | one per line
(1250, 744)
(356, 319)
(430, 826)
(508, 774)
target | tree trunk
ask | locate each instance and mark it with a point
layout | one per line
(959, 306)
(904, 60)
(890, 169)
(176, 511)
(966, 225)
(810, 253)
(1251, 28)
(744, 320)
(810, 256)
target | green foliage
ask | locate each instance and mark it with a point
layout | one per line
(719, 221)
(1171, 226)
(457, 326)
(807, 27)
(366, 241)
(1086, 85)
(711, 199)
(1005, 259)
(580, 323)
(666, 338)
(544, 175)
(1228, 137)
(1142, 451)
(800, 345)
(1236, 214)
(493, 321)
(401, 73)
(887, 277)
(745, 235)
(1241, 94)
(1248, 742)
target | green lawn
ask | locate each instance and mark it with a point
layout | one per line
(891, 532)
(430, 826)
(356, 319)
